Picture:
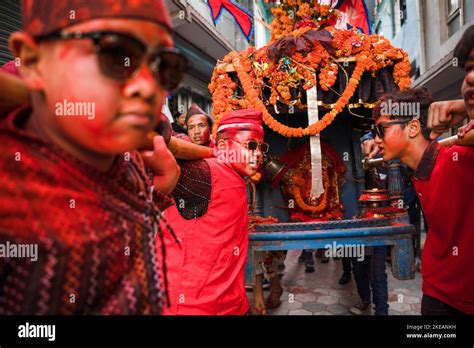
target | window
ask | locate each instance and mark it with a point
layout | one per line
(399, 14)
(378, 28)
(403, 11)
(396, 17)
(414, 70)
(454, 15)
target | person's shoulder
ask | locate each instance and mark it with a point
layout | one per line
(459, 162)
(458, 155)
(197, 168)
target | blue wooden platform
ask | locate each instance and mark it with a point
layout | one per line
(394, 232)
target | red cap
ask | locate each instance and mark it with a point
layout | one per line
(43, 17)
(196, 110)
(244, 119)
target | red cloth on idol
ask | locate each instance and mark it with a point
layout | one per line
(206, 274)
(444, 182)
(93, 230)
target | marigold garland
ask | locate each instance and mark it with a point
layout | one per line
(287, 78)
(312, 129)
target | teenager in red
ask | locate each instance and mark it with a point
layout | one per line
(206, 271)
(72, 184)
(444, 181)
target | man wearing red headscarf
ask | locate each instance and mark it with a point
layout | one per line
(206, 272)
(77, 209)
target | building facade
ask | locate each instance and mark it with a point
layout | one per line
(194, 34)
(204, 44)
(428, 30)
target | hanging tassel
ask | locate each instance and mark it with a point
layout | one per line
(317, 187)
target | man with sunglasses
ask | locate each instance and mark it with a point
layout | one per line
(206, 272)
(75, 187)
(444, 181)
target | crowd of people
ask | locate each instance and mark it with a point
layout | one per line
(124, 231)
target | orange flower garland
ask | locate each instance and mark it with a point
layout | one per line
(299, 14)
(311, 208)
(312, 129)
(285, 77)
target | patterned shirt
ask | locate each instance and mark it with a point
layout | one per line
(93, 231)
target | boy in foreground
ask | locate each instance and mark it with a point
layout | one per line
(75, 197)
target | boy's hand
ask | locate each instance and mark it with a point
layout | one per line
(163, 164)
(164, 128)
(444, 115)
(370, 148)
(462, 131)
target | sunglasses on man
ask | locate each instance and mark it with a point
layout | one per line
(379, 129)
(120, 57)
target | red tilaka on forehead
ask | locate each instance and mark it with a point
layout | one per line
(43, 17)
(243, 135)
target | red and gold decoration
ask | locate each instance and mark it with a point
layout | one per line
(375, 203)
(313, 46)
(296, 185)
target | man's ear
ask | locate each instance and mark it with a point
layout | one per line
(414, 128)
(27, 55)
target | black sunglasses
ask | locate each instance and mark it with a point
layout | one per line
(379, 130)
(120, 57)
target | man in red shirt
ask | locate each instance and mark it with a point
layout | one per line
(206, 271)
(444, 181)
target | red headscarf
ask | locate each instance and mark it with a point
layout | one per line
(42, 17)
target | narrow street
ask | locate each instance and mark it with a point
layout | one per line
(319, 293)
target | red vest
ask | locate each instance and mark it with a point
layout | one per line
(206, 274)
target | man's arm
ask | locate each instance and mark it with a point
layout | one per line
(193, 191)
(444, 115)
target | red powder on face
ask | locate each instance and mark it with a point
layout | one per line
(64, 50)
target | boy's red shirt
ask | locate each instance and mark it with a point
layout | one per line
(444, 182)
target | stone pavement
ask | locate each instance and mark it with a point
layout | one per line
(319, 293)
